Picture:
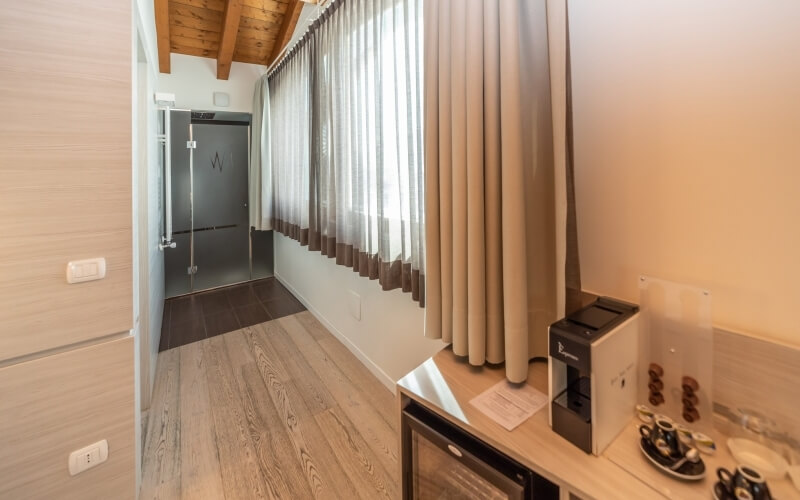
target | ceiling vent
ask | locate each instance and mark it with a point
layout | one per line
(202, 115)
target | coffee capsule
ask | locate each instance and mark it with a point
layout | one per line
(689, 385)
(690, 400)
(656, 398)
(655, 371)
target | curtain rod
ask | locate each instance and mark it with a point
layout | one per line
(288, 53)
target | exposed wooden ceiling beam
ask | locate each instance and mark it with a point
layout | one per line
(290, 18)
(230, 27)
(162, 34)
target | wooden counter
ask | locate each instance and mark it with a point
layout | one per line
(445, 384)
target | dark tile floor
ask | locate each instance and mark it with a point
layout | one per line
(202, 315)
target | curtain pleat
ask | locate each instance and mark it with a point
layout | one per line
(458, 143)
(495, 351)
(434, 312)
(357, 74)
(491, 283)
(445, 169)
(475, 194)
(260, 171)
(572, 267)
(513, 199)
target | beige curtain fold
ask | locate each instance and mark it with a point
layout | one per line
(490, 201)
(569, 282)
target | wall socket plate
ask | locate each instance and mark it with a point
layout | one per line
(88, 457)
(354, 305)
(79, 271)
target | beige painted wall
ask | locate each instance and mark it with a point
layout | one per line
(389, 337)
(687, 150)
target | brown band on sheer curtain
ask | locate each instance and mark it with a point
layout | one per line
(391, 275)
(491, 288)
(293, 231)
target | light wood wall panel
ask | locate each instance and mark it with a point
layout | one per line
(52, 406)
(756, 374)
(65, 171)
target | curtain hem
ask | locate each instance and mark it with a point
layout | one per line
(391, 275)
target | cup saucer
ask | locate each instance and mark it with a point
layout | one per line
(688, 471)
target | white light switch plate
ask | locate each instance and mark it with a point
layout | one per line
(354, 305)
(88, 457)
(79, 271)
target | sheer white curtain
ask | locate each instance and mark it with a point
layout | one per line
(290, 116)
(366, 183)
(260, 172)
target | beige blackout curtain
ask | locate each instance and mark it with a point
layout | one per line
(490, 195)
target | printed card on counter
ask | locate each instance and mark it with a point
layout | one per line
(509, 405)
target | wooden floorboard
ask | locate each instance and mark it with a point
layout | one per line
(365, 471)
(241, 475)
(277, 410)
(374, 390)
(334, 482)
(161, 476)
(315, 394)
(352, 396)
(199, 463)
(284, 475)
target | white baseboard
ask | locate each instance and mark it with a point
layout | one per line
(376, 370)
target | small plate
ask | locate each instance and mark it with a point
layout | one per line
(688, 471)
(759, 457)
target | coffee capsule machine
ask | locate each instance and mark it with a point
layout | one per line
(593, 373)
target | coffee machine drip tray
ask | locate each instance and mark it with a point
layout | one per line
(576, 402)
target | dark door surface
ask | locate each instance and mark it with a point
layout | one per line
(219, 194)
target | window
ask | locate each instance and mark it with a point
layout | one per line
(356, 80)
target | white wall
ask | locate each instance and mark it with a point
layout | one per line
(687, 154)
(144, 143)
(388, 339)
(154, 210)
(193, 80)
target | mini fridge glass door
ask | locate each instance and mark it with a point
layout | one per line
(442, 462)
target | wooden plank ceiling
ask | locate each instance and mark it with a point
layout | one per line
(249, 31)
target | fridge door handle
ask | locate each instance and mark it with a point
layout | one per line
(455, 451)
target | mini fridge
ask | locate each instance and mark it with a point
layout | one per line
(443, 462)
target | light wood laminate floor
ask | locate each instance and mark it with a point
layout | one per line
(277, 410)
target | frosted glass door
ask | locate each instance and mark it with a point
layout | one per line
(219, 200)
(178, 260)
